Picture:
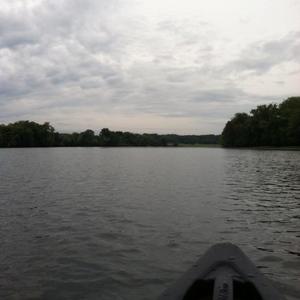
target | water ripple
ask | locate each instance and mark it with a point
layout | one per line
(85, 223)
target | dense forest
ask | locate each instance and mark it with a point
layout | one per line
(267, 125)
(31, 134)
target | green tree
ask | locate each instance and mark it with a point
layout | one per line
(267, 125)
(87, 138)
(237, 132)
(290, 115)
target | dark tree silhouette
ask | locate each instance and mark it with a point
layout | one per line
(267, 125)
(31, 134)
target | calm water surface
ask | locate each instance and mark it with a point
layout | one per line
(123, 223)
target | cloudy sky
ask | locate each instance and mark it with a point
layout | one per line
(182, 66)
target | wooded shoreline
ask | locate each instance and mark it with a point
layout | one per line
(269, 126)
(31, 134)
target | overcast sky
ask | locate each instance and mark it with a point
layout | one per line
(167, 66)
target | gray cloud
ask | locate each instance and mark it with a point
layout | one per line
(219, 95)
(261, 57)
(61, 61)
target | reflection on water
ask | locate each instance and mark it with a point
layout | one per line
(93, 223)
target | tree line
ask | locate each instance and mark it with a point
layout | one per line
(32, 134)
(267, 125)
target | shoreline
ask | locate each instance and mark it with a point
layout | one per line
(284, 148)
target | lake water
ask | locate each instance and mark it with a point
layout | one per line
(123, 223)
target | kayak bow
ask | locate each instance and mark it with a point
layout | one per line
(223, 273)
